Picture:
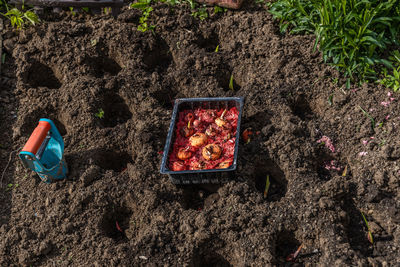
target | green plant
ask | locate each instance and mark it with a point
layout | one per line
(369, 117)
(200, 13)
(71, 9)
(330, 100)
(144, 6)
(267, 184)
(370, 238)
(100, 113)
(218, 9)
(19, 18)
(107, 10)
(392, 80)
(11, 186)
(231, 83)
(352, 35)
(217, 49)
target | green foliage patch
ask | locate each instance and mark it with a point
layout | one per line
(358, 37)
(18, 18)
(198, 11)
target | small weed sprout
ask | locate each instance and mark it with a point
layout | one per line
(71, 9)
(144, 6)
(93, 42)
(330, 100)
(344, 173)
(201, 13)
(231, 83)
(369, 117)
(218, 9)
(267, 184)
(100, 113)
(217, 49)
(369, 236)
(107, 10)
(11, 186)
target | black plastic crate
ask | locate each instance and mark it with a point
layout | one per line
(201, 176)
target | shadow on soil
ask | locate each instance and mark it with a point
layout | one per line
(198, 197)
(355, 228)
(286, 244)
(206, 254)
(158, 58)
(115, 110)
(115, 222)
(278, 183)
(41, 75)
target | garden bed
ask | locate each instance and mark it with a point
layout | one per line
(116, 209)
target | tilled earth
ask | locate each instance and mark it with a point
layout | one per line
(69, 67)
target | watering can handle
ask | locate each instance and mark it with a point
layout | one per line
(37, 137)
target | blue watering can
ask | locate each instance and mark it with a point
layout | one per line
(44, 152)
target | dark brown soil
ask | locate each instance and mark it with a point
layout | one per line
(67, 68)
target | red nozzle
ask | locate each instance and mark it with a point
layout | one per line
(37, 137)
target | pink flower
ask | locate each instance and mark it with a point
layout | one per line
(363, 153)
(328, 143)
(391, 99)
(389, 94)
(372, 137)
(365, 142)
(387, 117)
(332, 165)
(385, 103)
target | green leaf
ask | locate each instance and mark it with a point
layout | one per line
(231, 83)
(267, 185)
(138, 5)
(370, 118)
(31, 17)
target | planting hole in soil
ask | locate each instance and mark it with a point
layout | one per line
(278, 183)
(199, 197)
(300, 106)
(41, 75)
(60, 127)
(206, 254)
(165, 97)
(158, 58)
(31, 121)
(227, 81)
(325, 164)
(209, 43)
(115, 222)
(115, 111)
(356, 229)
(112, 160)
(103, 65)
(286, 244)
